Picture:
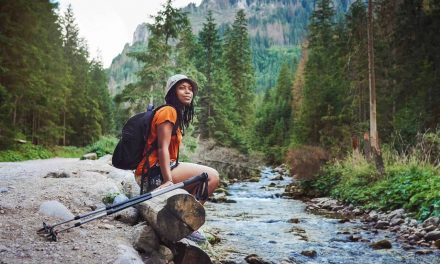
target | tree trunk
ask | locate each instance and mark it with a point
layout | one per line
(374, 137)
(173, 215)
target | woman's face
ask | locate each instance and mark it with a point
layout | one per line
(184, 92)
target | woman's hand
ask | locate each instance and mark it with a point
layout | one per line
(165, 184)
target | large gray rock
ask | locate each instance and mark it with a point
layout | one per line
(396, 221)
(127, 255)
(381, 224)
(129, 216)
(432, 221)
(433, 235)
(396, 213)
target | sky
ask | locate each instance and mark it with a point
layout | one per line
(107, 25)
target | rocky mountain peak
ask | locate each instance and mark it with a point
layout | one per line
(141, 34)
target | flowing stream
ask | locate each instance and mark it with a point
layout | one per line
(262, 222)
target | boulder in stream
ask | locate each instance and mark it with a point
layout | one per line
(381, 244)
(255, 259)
(309, 253)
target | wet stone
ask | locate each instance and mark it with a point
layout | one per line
(434, 221)
(396, 213)
(424, 252)
(354, 238)
(309, 253)
(293, 221)
(381, 224)
(433, 235)
(429, 228)
(381, 244)
(396, 221)
(254, 259)
(277, 178)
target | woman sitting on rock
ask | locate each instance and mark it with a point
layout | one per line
(167, 127)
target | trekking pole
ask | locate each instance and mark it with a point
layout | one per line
(111, 209)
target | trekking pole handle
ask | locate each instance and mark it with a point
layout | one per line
(201, 177)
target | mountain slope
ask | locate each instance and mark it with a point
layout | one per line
(276, 28)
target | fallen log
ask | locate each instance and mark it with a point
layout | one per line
(173, 215)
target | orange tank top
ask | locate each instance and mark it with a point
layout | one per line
(164, 114)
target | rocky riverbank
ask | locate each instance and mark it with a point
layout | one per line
(408, 231)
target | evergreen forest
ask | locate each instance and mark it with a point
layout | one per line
(52, 93)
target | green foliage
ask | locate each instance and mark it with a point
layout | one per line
(109, 198)
(413, 185)
(67, 151)
(105, 145)
(25, 152)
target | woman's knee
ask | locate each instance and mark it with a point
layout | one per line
(214, 177)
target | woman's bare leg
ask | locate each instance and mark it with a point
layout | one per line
(187, 170)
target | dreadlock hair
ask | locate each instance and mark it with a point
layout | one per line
(185, 113)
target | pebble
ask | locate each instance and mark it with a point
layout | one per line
(3, 190)
(4, 248)
(293, 221)
(106, 226)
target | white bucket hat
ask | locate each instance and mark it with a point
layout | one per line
(177, 78)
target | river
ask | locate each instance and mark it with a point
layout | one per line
(278, 229)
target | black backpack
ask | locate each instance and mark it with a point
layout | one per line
(129, 151)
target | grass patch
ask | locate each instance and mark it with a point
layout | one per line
(67, 151)
(28, 151)
(105, 145)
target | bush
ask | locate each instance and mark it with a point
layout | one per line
(306, 161)
(26, 151)
(105, 145)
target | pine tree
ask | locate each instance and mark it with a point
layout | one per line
(99, 92)
(209, 64)
(82, 117)
(239, 70)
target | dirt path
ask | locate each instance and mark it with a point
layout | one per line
(24, 186)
